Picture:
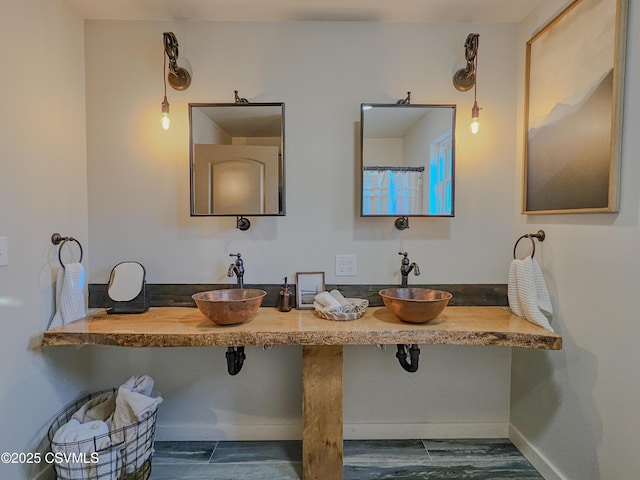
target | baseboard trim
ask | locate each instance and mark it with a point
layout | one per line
(230, 432)
(221, 432)
(535, 457)
(424, 430)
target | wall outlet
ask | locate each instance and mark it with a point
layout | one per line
(346, 265)
(4, 252)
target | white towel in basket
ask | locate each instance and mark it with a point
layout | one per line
(140, 384)
(327, 302)
(72, 440)
(527, 292)
(100, 407)
(131, 423)
(345, 305)
(69, 295)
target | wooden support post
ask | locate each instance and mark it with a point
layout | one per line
(322, 412)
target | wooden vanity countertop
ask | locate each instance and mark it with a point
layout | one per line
(187, 327)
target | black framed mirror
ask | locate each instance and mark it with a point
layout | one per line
(127, 288)
(407, 160)
(237, 159)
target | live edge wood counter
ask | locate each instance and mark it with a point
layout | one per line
(322, 352)
(187, 327)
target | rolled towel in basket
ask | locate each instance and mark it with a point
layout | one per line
(75, 432)
(72, 440)
(345, 305)
(328, 302)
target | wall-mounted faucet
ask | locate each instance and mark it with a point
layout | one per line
(235, 355)
(235, 359)
(405, 269)
(237, 268)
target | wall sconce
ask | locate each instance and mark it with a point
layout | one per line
(465, 78)
(178, 77)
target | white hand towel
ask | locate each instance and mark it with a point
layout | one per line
(69, 294)
(527, 292)
(328, 302)
(542, 294)
(512, 289)
(345, 305)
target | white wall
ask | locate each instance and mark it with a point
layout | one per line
(383, 152)
(206, 130)
(43, 189)
(575, 411)
(139, 204)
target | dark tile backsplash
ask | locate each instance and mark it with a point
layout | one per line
(179, 295)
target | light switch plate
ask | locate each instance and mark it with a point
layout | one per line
(346, 265)
(4, 252)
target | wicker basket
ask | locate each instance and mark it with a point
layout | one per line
(360, 305)
(127, 456)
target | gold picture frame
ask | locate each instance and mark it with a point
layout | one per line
(574, 85)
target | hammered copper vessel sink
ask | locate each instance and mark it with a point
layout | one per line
(229, 306)
(415, 305)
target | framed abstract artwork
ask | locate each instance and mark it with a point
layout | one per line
(573, 110)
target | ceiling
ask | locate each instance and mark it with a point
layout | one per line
(478, 11)
(244, 119)
(384, 122)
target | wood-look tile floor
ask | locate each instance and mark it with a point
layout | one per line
(490, 459)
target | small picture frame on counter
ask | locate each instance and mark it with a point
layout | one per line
(308, 285)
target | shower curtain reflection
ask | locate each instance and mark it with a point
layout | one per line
(392, 190)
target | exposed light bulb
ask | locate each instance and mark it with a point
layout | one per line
(475, 126)
(475, 118)
(166, 121)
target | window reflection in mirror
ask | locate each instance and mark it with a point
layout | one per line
(237, 158)
(408, 157)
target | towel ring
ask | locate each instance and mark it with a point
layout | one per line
(540, 235)
(58, 239)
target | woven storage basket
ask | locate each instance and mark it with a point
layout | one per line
(127, 455)
(360, 305)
